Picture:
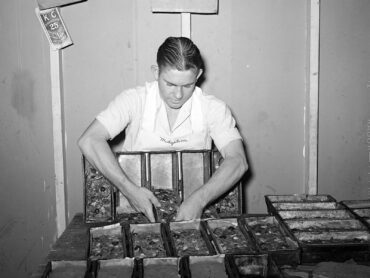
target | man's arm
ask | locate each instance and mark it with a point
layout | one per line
(230, 171)
(93, 144)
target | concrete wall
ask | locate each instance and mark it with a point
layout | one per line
(344, 125)
(255, 52)
(27, 198)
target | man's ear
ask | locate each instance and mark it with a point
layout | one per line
(200, 72)
(155, 71)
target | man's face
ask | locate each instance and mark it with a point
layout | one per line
(176, 87)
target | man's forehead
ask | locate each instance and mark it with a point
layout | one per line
(177, 77)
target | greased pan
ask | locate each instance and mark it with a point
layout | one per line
(189, 238)
(272, 236)
(106, 242)
(230, 237)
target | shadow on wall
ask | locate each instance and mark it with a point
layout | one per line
(22, 88)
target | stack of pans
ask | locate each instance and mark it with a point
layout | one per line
(325, 229)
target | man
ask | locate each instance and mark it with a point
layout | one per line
(171, 113)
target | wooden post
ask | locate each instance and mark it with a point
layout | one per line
(312, 100)
(186, 25)
(185, 7)
(58, 138)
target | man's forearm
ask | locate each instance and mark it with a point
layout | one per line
(230, 171)
(93, 144)
(99, 154)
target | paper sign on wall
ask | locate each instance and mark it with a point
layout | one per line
(54, 28)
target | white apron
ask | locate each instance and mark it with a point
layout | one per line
(150, 138)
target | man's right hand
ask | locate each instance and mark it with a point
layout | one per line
(94, 145)
(143, 200)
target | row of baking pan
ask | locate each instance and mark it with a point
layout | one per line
(218, 266)
(324, 228)
(245, 235)
(181, 172)
(336, 231)
(230, 247)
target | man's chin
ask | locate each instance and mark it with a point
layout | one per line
(175, 105)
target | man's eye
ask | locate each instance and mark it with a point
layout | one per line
(187, 86)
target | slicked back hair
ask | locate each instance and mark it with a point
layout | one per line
(180, 53)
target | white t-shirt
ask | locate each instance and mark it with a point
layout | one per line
(141, 112)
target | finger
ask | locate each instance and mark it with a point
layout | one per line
(149, 214)
(152, 198)
(155, 201)
(179, 216)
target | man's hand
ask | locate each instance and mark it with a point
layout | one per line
(143, 200)
(191, 208)
(230, 171)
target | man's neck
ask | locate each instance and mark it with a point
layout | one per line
(172, 116)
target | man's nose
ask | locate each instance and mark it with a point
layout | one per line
(179, 92)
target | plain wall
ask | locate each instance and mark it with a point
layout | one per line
(27, 198)
(344, 113)
(255, 52)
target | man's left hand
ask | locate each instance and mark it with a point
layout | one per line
(191, 208)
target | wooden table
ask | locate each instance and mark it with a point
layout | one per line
(72, 245)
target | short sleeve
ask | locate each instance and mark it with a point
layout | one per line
(221, 123)
(119, 112)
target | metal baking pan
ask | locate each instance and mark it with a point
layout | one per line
(170, 201)
(362, 212)
(226, 206)
(158, 172)
(195, 170)
(299, 198)
(273, 237)
(216, 266)
(276, 203)
(311, 214)
(363, 215)
(360, 208)
(312, 225)
(334, 246)
(114, 268)
(229, 237)
(353, 204)
(66, 269)
(99, 195)
(157, 267)
(147, 241)
(132, 218)
(327, 234)
(251, 265)
(162, 170)
(331, 239)
(190, 238)
(134, 165)
(306, 206)
(229, 204)
(106, 242)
